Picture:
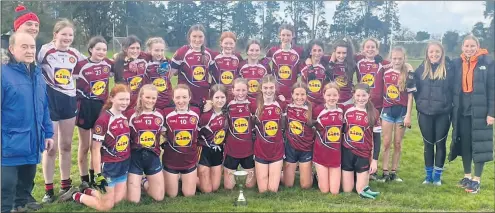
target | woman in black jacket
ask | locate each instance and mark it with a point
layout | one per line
(473, 113)
(434, 78)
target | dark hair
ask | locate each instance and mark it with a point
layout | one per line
(350, 64)
(286, 27)
(250, 42)
(95, 40)
(309, 47)
(217, 87)
(120, 61)
(370, 109)
(198, 27)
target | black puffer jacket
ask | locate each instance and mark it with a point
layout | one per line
(434, 96)
(482, 105)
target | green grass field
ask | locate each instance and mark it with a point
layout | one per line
(409, 195)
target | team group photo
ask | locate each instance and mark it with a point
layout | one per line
(167, 106)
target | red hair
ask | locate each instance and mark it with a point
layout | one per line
(228, 34)
(116, 89)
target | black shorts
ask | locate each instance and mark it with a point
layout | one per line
(116, 169)
(354, 163)
(61, 106)
(262, 161)
(232, 163)
(183, 171)
(88, 111)
(210, 157)
(144, 160)
(293, 156)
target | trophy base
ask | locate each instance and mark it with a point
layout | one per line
(240, 203)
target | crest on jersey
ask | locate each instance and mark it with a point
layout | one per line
(106, 69)
(375, 66)
(261, 72)
(277, 110)
(98, 129)
(234, 63)
(293, 58)
(193, 120)
(141, 65)
(158, 121)
(72, 60)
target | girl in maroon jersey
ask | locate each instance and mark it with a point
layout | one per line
(299, 138)
(397, 106)
(239, 142)
(252, 69)
(146, 122)
(191, 62)
(314, 73)
(180, 152)
(285, 59)
(342, 69)
(326, 152)
(269, 145)
(213, 129)
(156, 71)
(111, 154)
(130, 67)
(224, 70)
(92, 90)
(361, 143)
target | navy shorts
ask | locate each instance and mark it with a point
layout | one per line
(354, 163)
(394, 114)
(115, 170)
(88, 111)
(61, 106)
(232, 163)
(263, 161)
(144, 161)
(210, 157)
(182, 171)
(293, 156)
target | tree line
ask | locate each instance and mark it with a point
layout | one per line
(248, 19)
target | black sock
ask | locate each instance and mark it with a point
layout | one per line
(85, 178)
(92, 176)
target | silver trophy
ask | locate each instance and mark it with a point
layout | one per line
(240, 180)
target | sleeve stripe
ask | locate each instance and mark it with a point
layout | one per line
(98, 137)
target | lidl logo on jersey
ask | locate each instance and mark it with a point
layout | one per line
(355, 134)
(340, 80)
(368, 79)
(160, 84)
(122, 143)
(62, 76)
(253, 86)
(135, 82)
(296, 128)
(240, 125)
(199, 73)
(183, 138)
(147, 138)
(219, 137)
(98, 87)
(392, 92)
(227, 77)
(271, 128)
(333, 134)
(314, 86)
(285, 72)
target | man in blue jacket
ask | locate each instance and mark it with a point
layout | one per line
(27, 130)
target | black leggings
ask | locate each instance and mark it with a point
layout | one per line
(464, 133)
(434, 129)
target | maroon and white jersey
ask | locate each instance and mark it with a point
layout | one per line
(299, 133)
(193, 72)
(92, 79)
(225, 71)
(329, 127)
(269, 143)
(372, 74)
(286, 68)
(133, 75)
(358, 134)
(213, 128)
(342, 80)
(146, 129)
(391, 94)
(161, 82)
(58, 66)
(181, 151)
(253, 73)
(113, 132)
(315, 86)
(239, 143)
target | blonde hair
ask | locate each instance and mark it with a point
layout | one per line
(300, 84)
(61, 24)
(440, 73)
(154, 40)
(260, 101)
(331, 85)
(403, 69)
(471, 37)
(374, 40)
(139, 103)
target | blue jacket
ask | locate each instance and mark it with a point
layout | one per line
(25, 116)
